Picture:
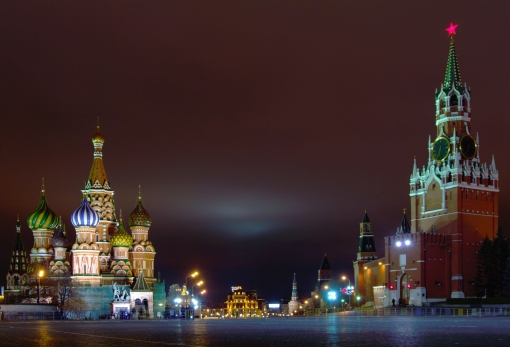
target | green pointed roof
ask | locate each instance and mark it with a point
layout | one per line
(141, 284)
(452, 77)
(19, 256)
(365, 218)
(404, 228)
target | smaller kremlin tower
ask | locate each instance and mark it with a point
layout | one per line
(325, 274)
(294, 303)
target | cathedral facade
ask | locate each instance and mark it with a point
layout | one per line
(454, 205)
(105, 263)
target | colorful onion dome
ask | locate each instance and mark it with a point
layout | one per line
(84, 216)
(139, 216)
(121, 238)
(42, 217)
(60, 239)
(97, 138)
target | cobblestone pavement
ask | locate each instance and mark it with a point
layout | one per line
(332, 330)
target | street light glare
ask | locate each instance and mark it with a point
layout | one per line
(41, 273)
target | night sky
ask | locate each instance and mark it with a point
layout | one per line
(258, 130)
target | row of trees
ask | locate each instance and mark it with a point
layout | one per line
(493, 267)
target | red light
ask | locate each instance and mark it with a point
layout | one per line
(391, 287)
(408, 286)
(451, 29)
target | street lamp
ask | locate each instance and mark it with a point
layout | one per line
(41, 274)
(349, 289)
(191, 275)
(193, 287)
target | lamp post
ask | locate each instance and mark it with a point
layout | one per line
(187, 296)
(345, 278)
(193, 287)
(41, 274)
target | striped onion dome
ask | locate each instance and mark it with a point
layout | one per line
(121, 238)
(84, 216)
(139, 216)
(42, 217)
(60, 239)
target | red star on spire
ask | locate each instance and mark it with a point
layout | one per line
(451, 29)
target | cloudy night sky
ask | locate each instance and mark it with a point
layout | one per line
(258, 130)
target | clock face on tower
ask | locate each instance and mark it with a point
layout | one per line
(467, 146)
(441, 148)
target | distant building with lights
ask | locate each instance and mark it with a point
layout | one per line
(244, 303)
(454, 205)
(110, 268)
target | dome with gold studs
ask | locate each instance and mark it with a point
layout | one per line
(42, 217)
(139, 216)
(121, 238)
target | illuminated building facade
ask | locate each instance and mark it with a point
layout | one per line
(241, 302)
(103, 256)
(454, 205)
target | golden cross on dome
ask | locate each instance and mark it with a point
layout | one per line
(451, 29)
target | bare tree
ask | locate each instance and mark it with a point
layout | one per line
(64, 293)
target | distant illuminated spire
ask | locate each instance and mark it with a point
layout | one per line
(294, 289)
(452, 77)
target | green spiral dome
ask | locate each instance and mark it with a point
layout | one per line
(121, 238)
(43, 217)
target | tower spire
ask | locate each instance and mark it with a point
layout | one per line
(97, 177)
(452, 77)
(294, 296)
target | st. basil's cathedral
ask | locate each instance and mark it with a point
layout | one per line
(104, 262)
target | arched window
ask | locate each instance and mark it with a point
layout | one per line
(453, 100)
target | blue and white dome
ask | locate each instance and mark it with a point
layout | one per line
(84, 216)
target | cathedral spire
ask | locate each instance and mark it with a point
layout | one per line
(97, 177)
